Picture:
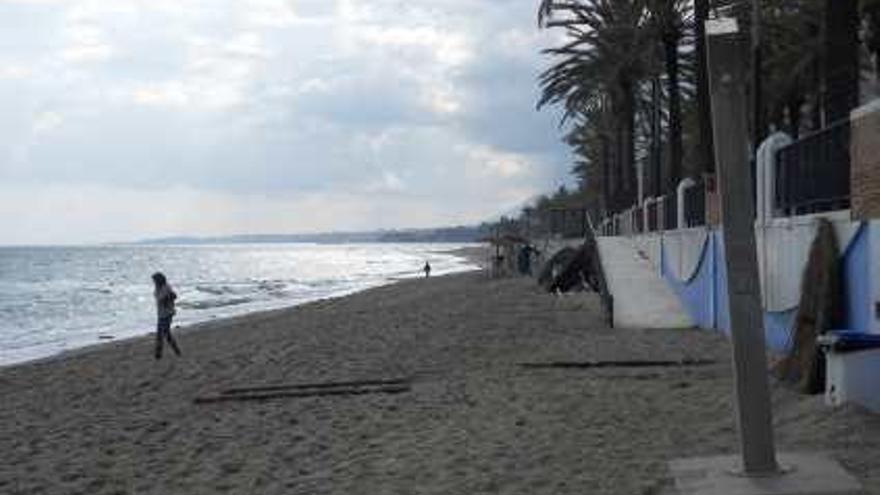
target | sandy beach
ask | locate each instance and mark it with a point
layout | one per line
(482, 412)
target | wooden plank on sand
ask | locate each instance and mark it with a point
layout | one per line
(386, 389)
(619, 364)
(322, 385)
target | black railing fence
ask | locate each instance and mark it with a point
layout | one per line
(812, 173)
(670, 212)
(653, 210)
(812, 176)
(695, 205)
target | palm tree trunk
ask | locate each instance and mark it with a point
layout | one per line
(628, 144)
(841, 74)
(793, 105)
(606, 172)
(618, 168)
(656, 173)
(704, 109)
(670, 47)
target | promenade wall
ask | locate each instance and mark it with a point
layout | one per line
(691, 261)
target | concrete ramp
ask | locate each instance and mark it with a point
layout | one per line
(641, 298)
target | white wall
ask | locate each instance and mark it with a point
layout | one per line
(874, 261)
(682, 250)
(783, 246)
(649, 246)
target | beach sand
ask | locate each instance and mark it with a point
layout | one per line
(112, 420)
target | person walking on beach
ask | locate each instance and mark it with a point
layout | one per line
(165, 297)
(427, 269)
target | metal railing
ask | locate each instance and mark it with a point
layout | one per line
(638, 219)
(653, 216)
(670, 212)
(812, 173)
(659, 213)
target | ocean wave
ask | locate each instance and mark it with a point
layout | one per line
(242, 287)
(214, 303)
(97, 290)
(213, 290)
(271, 285)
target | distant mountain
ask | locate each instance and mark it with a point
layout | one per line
(445, 234)
(442, 234)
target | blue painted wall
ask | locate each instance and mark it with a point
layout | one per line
(705, 295)
(777, 329)
(722, 308)
(857, 282)
(696, 293)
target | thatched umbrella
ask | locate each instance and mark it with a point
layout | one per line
(506, 241)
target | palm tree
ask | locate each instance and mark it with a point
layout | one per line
(810, 58)
(669, 19)
(632, 81)
(600, 69)
(592, 167)
(870, 12)
(791, 63)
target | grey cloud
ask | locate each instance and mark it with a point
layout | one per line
(311, 107)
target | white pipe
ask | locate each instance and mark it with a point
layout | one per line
(683, 186)
(765, 176)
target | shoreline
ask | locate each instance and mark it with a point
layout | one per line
(472, 255)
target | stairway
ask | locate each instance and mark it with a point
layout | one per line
(641, 297)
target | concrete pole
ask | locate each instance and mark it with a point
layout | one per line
(759, 124)
(726, 59)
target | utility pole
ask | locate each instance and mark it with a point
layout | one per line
(727, 83)
(759, 123)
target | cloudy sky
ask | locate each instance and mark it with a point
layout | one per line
(126, 119)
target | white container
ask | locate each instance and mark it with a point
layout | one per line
(853, 376)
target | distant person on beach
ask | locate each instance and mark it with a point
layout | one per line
(427, 269)
(165, 297)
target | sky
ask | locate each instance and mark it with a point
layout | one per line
(131, 119)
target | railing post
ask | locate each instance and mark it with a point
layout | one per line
(634, 224)
(765, 178)
(681, 190)
(661, 213)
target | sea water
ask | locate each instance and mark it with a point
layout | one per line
(54, 299)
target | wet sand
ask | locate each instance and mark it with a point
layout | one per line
(112, 420)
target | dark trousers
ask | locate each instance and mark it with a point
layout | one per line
(163, 332)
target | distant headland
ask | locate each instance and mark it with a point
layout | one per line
(440, 234)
